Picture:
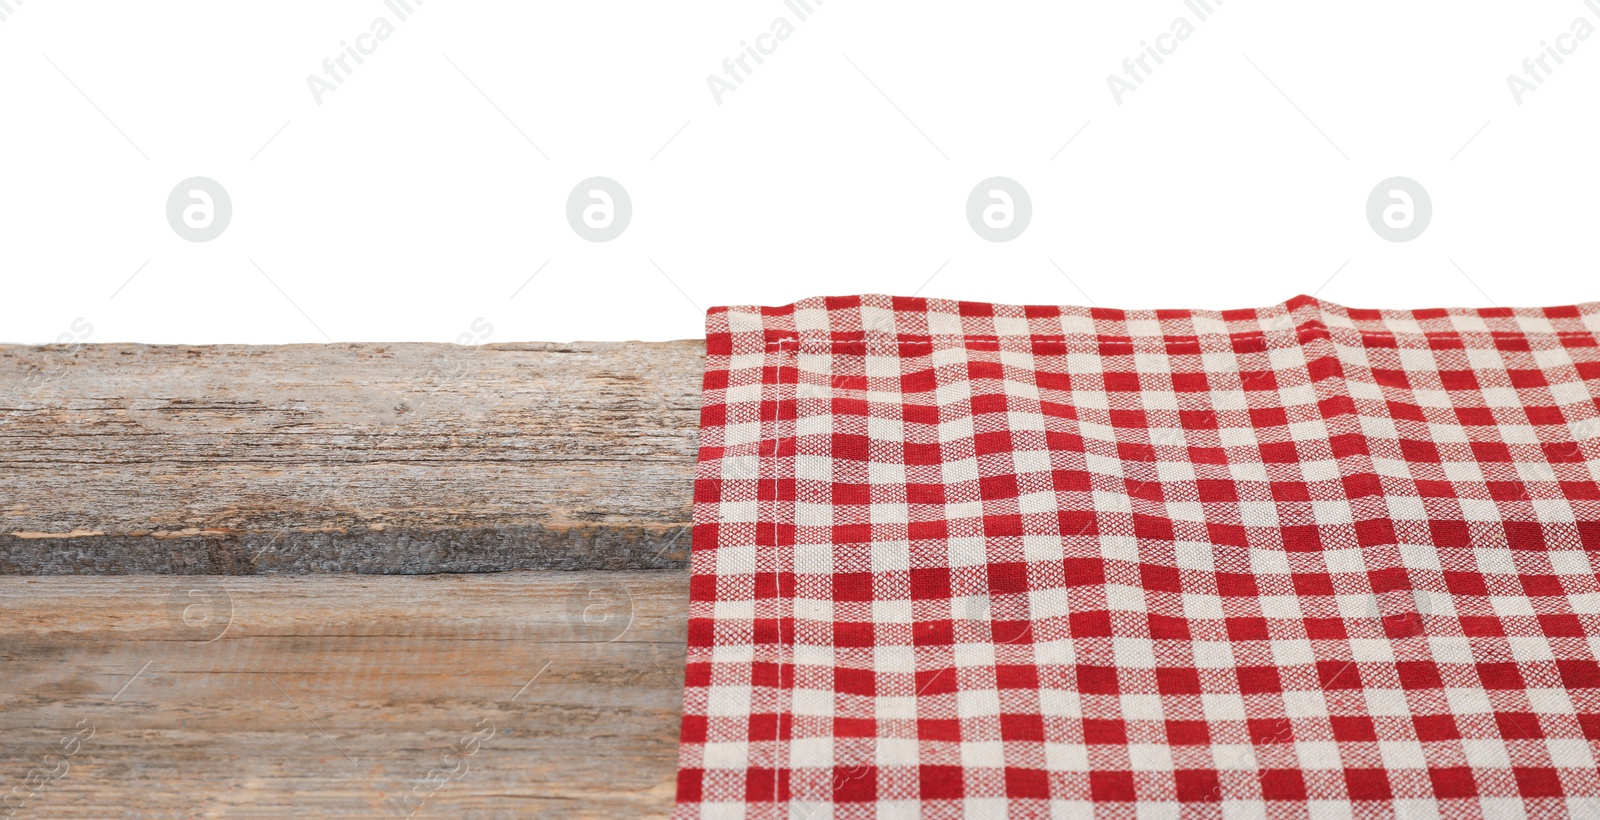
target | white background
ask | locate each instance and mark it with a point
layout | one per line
(406, 206)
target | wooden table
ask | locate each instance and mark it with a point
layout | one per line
(344, 579)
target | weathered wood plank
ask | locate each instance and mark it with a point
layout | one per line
(371, 458)
(337, 695)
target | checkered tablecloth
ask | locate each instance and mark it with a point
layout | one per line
(960, 559)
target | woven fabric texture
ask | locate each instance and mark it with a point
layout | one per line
(955, 559)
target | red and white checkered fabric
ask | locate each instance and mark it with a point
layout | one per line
(959, 559)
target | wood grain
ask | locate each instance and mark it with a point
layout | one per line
(368, 458)
(336, 695)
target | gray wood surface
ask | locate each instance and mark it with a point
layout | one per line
(550, 694)
(367, 458)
